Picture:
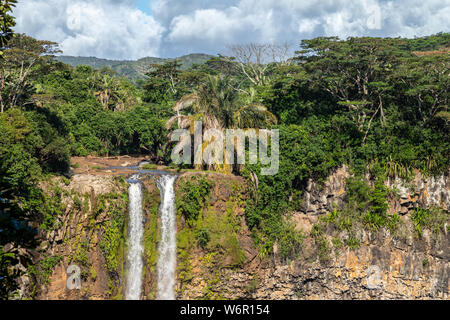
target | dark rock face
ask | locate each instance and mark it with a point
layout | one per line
(76, 238)
(389, 271)
(419, 192)
(383, 267)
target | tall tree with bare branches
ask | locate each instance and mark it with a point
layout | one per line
(253, 59)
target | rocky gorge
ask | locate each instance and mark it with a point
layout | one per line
(217, 258)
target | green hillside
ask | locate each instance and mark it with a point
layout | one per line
(133, 70)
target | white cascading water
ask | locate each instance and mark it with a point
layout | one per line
(135, 247)
(167, 244)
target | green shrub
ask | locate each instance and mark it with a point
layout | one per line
(357, 192)
(290, 242)
(45, 267)
(65, 181)
(433, 219)
(393, 222)
(194, 194)
(377, 210)
(93, 273)
(323, 249)
(80, 252)
(77, 202)
(337, 243)
(51, 208)
(352, 242)
(110, 245)
(203, 237)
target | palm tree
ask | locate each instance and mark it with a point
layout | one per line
(110, 92)
(218, 105)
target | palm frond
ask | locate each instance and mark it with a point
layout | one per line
(185, 102)
(254, 115)
(171, 121)
(182, 120)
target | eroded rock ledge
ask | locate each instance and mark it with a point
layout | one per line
(384, 266)
(421, 191)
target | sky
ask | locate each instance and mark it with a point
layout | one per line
(132, 29)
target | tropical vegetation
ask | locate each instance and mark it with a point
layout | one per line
(378, 105)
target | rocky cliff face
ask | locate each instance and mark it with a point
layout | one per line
(383, 266)
(84, 235)
(227, 265)
(91, 233)
(420, 191)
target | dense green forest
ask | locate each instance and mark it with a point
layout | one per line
(378, 105)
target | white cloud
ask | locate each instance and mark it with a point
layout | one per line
(116, 29)
(106, 29)
(307, 26)
(210, 25)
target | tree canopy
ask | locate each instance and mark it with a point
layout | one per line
(6, 22)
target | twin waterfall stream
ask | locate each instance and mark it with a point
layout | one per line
(167, 244)
(135, 247)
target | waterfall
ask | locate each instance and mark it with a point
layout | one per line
(135, 247)
(167, 244)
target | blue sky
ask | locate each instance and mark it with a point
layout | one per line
(144, 6)
(132, 29)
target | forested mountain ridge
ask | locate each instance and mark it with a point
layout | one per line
(133, 70)
(136, 69)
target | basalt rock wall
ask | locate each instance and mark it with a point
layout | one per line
(384, 266)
